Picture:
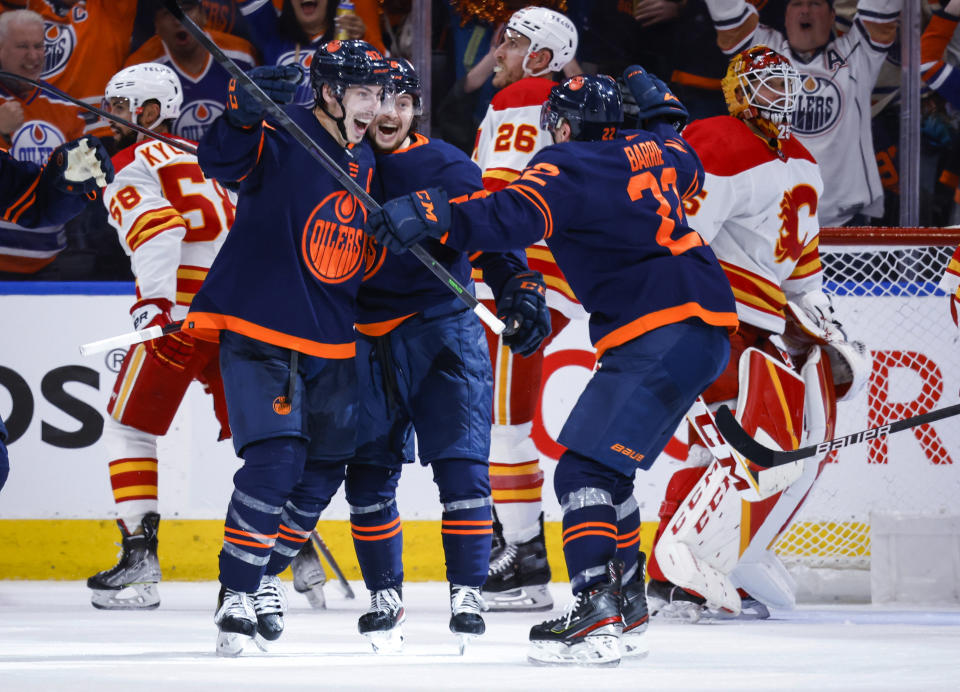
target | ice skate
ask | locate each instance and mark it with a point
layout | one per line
(309, 575)
(588, 633)
(269, 604)
(518, 577)
(671, 602)
(750, 609)
(131, 584)
(236, 620)
(635, 615)
(465, 620)
(381, 624)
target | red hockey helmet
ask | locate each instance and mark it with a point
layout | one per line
(762, 86)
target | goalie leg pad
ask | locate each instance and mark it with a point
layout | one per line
(678, 488)
(700, 544)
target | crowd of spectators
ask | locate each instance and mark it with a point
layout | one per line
(75, 45)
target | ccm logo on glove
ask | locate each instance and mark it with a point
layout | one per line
(424, 198)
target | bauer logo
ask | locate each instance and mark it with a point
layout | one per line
(34, 141)
(196, 117)
(819, 106)
(333, 238)
(59, 42)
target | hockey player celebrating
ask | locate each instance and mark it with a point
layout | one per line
(422, 364)
(536, 42)
(288, 367)
(609, 207)
(758, 210)
(171, 238)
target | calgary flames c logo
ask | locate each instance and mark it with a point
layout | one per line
(790, 244)
(333, 240)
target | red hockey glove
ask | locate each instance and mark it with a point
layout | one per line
(174, 350)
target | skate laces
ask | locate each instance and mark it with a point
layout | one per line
(236, 604)
(504, 560)
(465, 599)
(270, 597)
(385, 601)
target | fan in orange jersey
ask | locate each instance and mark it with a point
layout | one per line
(204, 80)
(86, 42)
(172, 222)
(535, 42)
(32, 125)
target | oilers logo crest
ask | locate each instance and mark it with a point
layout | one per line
(196, 117)
(334, 244)
(59, 42)
(818, 107)
(35, 140)
(304, 95)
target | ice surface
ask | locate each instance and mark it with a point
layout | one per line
(52, 639)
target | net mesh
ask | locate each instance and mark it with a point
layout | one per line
(888, 298)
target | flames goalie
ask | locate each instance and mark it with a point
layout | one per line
(789, 362)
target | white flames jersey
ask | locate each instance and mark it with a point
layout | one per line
(833, 112)
(758, 211)
(950, 282)
(508, 138)
(171, 219)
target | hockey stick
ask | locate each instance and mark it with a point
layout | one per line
(130, 338)
(328, 162)
(763, 456)
(182, 146)
(328, 556)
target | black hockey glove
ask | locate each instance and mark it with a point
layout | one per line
(279, 82)
(407, 220)
(523, 308)
(654, 98)
(79, 166)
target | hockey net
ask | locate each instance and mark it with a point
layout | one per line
(884, 287)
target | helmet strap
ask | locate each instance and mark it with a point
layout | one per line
(339, 122)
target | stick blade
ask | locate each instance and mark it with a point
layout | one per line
(740, 440)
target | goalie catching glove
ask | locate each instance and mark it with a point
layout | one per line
(80, 166)
(523, 308)
(404, 221)
(174, 349)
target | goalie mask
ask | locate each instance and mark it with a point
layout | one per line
(148, 81)
(590, 105)
(548, 30)
(761, 87)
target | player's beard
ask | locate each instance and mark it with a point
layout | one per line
(126, 139)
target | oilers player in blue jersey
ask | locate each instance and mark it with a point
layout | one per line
(423, 364)
(608, 204)
(280, 297)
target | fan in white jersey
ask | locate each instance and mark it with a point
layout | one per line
(758, 210)
(536, 42)
(837, 75)
(171, 221)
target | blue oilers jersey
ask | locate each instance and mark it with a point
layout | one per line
(289, 271)
(612, 215)
(401, 286)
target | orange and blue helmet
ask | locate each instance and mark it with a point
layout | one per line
(591, 105)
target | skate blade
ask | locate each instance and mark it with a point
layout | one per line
(634, 646)
(681, 611)
(463, 640)
(231, 644)
(595, 651)
(131, 597)
(526, 599)
(386, 642)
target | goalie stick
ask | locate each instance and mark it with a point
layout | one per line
(183, 146)
(763, 456)
(328, 162)
(328, 556)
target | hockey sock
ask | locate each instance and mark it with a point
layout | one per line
(466, 526)
(678, 487)
(628, 535)
(262, 487)
(133, 471)
(375, 524)
(318, 483)
(516, 480)
(585, 489)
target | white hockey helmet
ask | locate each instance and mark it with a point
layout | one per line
(145, 82)
(546, 29)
